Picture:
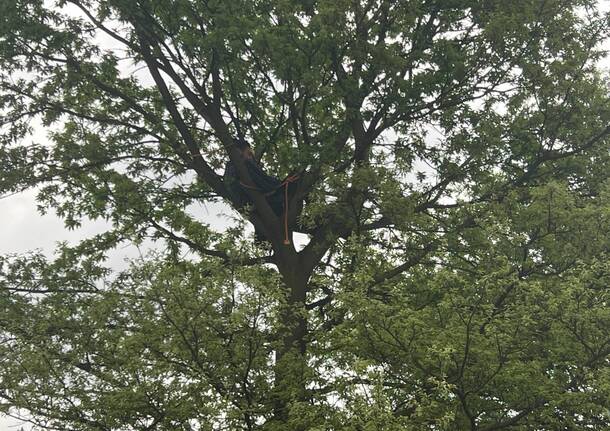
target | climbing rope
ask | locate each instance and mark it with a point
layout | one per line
(285, 183)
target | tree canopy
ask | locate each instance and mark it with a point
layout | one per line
(450, 269)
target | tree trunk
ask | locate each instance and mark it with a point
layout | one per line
(290, 357)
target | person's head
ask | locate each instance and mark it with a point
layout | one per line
(244, 149)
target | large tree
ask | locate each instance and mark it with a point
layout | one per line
(452, 267)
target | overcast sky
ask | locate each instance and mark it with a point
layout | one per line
(23, 229)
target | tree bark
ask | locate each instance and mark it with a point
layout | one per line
(290, 356)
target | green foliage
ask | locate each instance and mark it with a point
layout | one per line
(454, 203)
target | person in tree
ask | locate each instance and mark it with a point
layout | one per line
(270, 186)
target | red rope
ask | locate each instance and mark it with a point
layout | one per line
(287, 181)
(286, 239)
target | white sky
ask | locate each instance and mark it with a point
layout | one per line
(23, 229)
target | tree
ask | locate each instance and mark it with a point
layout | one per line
(454, 205)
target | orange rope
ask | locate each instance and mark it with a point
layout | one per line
(286, 239)
(287, 181)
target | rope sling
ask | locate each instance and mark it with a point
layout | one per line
(289, 179)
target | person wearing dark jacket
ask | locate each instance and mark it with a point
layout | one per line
(268, 185)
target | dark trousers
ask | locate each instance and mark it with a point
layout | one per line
(278, 197)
